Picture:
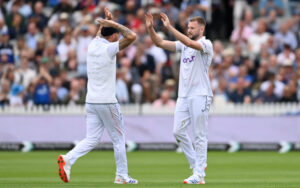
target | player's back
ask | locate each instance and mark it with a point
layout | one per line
(101, 72)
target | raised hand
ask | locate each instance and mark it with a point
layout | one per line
(165, 19)
(149, 20)
(104, 22)
(108, 14)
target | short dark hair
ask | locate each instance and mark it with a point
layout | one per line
(198, 19)
(107, 31)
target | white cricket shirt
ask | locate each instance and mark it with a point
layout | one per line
(194, 66)
(101, 71)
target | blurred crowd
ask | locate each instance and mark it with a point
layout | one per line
(43, 48)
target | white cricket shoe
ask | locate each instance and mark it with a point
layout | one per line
(194, 179)
(125, 180)
(64, 168)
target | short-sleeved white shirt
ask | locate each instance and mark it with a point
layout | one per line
(101, 71)
(194, 67)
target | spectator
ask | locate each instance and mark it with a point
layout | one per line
(42, 87)
(121, 88)
(266, 6)
(284, 36)
(278, 85)
(38, 16)
(6, 48)
(218, 49)
(238, 58)
(286, 56)
(296, 63)
(273, 22)
(2, 10)
(248, 17)
(288, 95)
(260, 77)
(53, 96)
(172, 11)
(221, 89)
(74, 97)
(159, 55)
(267, 96)
(164, 100)
(273, 65)
(56, 34)
(29, 95)
(16, 95)
(62, 6)
(59, 93)
(13, 11)
(18, 26)
(3, 27)
(271, 45)
(83, 40)
(197, 7)
(71, 66)
(4, 92)
(241, 94)
(32, 36)
(65, 46)
(258, 38)
(241, 34)
(24, 75)
(25, 8)
(8, 74)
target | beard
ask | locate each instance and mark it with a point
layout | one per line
(193, 37)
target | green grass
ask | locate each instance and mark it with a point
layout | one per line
(153, 169)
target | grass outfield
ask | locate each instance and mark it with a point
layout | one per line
(153, 169)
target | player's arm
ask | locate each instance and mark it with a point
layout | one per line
(165, 44)
(128, 35)
(108, 16)
(179, 36)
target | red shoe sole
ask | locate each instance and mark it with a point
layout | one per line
(185, 182)
(61, 172)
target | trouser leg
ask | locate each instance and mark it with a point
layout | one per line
(181, 122)
(199, 108)
(94, 130)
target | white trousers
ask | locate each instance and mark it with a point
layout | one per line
(193, 111)
(98, 117)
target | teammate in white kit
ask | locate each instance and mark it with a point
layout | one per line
(195, 94)
(102, 109)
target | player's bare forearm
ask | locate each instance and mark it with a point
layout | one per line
(99, 31)
(167, 45)
(129, 36)
(108, 16)
(127, 33)
(184, 39)
(155, 38)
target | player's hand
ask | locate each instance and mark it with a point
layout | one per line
(108, 14)
(104, 22)
(149, 20)
(165, 20)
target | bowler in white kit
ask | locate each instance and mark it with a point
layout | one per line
(102, 108)
(195, 94)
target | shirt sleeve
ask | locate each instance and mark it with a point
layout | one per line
(206, 46)
(178, 46)
(113, 49)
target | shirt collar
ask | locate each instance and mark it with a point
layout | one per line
(103, 39)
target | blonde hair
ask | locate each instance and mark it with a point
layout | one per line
(198, 19)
